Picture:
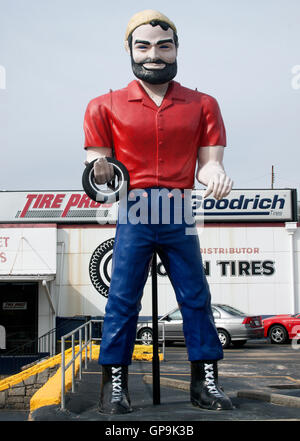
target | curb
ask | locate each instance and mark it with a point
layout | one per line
(169, 382)
(282, 400)
(50, 393)
(26, 373)
(273, 398)
(17, 390)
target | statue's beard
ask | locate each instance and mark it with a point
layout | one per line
(154, 76)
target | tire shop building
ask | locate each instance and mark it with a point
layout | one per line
(56, 249)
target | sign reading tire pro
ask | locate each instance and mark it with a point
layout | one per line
(69, 207)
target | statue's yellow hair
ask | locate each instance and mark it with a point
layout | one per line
(145, 17)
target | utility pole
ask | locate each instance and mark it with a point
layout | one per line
(272, 177)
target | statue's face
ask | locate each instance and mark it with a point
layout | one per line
(153, 54)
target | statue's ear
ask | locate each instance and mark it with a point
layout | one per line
(127, 48)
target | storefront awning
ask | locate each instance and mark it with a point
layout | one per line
(25, 278)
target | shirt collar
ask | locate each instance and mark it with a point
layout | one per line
(137, 93)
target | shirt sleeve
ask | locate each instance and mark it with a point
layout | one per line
(97, 129)
(212, 129)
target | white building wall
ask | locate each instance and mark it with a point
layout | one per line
(77, 294)
(46, 317)
(63, 252)
(255, 294)
(28, 253)
(263, 293)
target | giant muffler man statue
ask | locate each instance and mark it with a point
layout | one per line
(159, 130)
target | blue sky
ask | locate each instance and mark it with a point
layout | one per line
(58, 55)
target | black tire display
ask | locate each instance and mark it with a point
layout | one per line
(114, 191)
(99, 270)
(98, 267)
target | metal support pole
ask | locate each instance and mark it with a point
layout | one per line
(80, 353)
(155, 359)
(86, 345)
(73, 363)
(90, 338)
(291, 228)
(63, 374)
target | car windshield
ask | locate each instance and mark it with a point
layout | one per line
(296, 315)
(231, 310)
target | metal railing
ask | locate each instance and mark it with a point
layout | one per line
(82, 347)
(83, 344)
(45, 343)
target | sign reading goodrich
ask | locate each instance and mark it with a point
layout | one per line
(75, 206)
(249, 205)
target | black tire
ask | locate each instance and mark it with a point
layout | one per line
(103, 195)
(99, 262)
(224, 338)
(146, 335)
(239, 343)
(278, 334)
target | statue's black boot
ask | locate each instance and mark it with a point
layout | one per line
(114, 396)
(205, 391)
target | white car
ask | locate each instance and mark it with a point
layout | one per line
(233, 326)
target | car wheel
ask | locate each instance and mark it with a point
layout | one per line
(278, 334)
(239, 343)
(224, 338)
(146, 336)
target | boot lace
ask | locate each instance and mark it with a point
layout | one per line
(210, 379)
(116, 384)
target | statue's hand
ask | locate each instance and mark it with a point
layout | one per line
(214, 177)
(219, 185)
(103, 171)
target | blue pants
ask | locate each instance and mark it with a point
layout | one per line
(180, 255)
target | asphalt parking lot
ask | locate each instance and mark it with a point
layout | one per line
(262, 379)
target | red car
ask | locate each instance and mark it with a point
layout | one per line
(281, 328)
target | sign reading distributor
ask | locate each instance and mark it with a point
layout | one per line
(229, 263)
(269, 205)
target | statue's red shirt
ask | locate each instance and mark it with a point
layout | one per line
(158, 145)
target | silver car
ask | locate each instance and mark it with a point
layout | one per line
(233, 326)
